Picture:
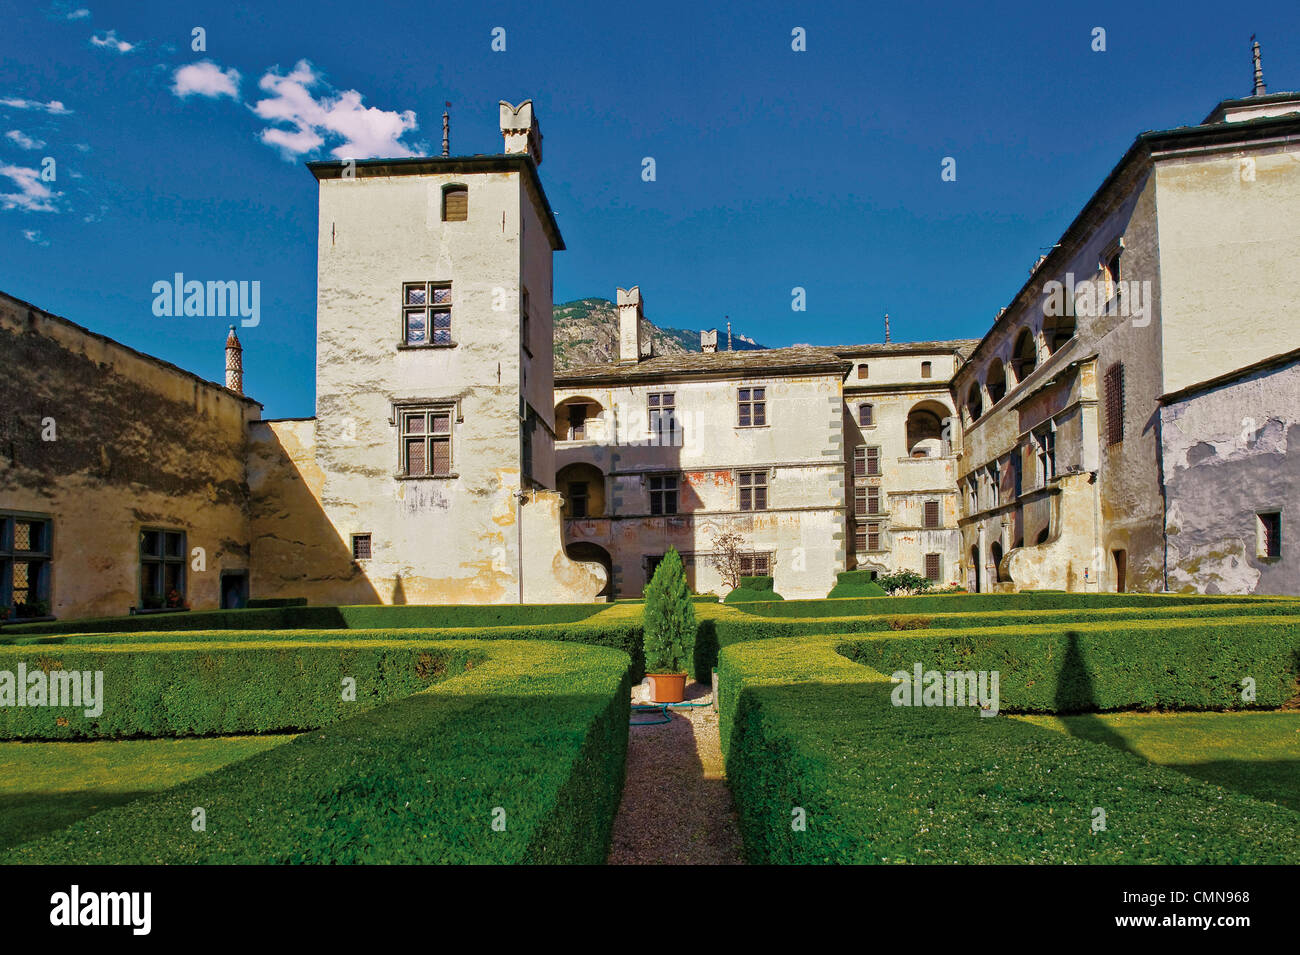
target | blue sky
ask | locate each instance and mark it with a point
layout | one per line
(775, 168)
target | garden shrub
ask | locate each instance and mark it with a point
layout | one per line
(960, 602)
(1184, 664)
(669, 618)
(804, 727)
(535, 730)
(856, 583)
(219, 688)
(256, 602)
(753, 589)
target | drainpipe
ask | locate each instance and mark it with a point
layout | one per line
(521, 498)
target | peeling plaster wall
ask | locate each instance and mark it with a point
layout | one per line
(454, 539)
(138, 443)
(1225, 460)
(801, 448)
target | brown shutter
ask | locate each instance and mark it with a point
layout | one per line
(455, 204)
(932, 566)
(931, 514)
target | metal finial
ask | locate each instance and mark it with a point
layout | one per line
(1260, 88)
(886, 328)
(446, 130)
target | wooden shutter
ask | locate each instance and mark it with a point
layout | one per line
(1115, 404)
(931, 514)
(455, 204)
(932, 566)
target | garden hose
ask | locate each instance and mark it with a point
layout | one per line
(663, 711)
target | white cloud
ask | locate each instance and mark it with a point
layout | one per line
(35, 235)
(205, 78)
(110, 41)
(53, 107)
(366, 132)
(23, 140)
(79, 14)
(32, 196)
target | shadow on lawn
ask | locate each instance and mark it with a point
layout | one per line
(1076, 696)
(30, 815)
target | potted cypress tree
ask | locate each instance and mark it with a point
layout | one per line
(669, 630)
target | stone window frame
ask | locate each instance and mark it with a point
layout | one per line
(1264, 534)
(862, 534)
(664, 494)
(661, 406)
(431, 307)
(870, 409)
(162, 560)
(753, 480)
(367, 539)
(44, 557)
(751, 404)
(863, 461)
(768, 563)
(412, 406)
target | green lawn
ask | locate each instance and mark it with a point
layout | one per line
(1253, 753)
(46, 786)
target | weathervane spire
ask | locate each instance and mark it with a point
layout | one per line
(886, 328)
(446, 129)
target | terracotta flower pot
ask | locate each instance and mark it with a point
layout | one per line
(667, 687)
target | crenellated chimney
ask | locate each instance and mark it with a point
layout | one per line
(520, 129)
(709, 341)
(631, 311)
(234, 363)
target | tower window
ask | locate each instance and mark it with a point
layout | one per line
(455, 203)
(1270, 534)
(426, 313)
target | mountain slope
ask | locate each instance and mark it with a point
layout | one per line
(586, 332)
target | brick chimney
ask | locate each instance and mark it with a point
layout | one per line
(709, 341)
(631, 311)
(234, 363)
(520, 130)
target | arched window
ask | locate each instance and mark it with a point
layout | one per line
(996, 381)
(1057, 330)
(1025, 357)
(974, 401)
(455, 203)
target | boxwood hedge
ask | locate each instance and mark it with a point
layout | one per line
(824, 769)
(1183, 664)
(951, 603)
(532, 737)
(216, 687)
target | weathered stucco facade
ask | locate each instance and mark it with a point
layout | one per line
(101, 445)
(431, 454)
(1229, 486)
(1174, 271)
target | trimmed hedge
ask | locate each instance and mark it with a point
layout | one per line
(949, 603)
(298, 617)
(753, 588)
(734, 626)
(255, 602)
(536, 731)
(1082, 667)
(855, 583)
(803, 728)
(220, 687)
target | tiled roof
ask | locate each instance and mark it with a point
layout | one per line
(962, 346)
(797, 359)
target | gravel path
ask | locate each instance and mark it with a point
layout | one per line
(676, 806)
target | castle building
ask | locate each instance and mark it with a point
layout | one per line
(1123, 425)
(1174, 281)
